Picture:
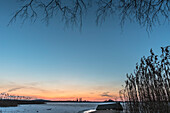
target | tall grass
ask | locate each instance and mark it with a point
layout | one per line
(147, 90)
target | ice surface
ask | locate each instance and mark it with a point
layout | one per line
(51, 108)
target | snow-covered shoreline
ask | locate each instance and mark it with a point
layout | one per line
(56, 107)
(51, 108)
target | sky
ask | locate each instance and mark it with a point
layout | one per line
(58, 63)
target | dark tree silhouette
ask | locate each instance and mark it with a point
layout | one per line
(145, 12)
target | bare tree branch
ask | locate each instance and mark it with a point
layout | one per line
(70, 14)
(146, 13)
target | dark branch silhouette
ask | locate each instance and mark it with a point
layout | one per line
(145, 12)
(71, 14)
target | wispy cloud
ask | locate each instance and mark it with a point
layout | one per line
(14, 89)
(106, 94)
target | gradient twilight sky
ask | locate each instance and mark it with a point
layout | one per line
(52, 62)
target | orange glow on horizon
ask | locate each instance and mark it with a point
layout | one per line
(85, 97)
(74, 98)
(72, 93)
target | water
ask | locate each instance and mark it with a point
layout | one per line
(52, 108)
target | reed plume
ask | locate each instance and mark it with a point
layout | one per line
(147, 90)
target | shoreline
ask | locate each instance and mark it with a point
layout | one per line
(15, 103)
(103, 111)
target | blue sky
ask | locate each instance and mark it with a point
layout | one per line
(56, 57)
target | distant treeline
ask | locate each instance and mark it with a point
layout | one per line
(14, 103)
(14, 97)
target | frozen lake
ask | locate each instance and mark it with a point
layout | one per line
(52, 108)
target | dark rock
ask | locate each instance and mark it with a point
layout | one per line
(49, 109)
(116, 106)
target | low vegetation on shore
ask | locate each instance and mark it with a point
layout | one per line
(15, 103)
